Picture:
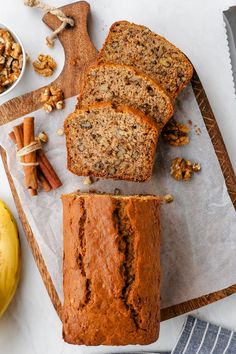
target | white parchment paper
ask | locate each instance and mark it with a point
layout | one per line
(198, 228)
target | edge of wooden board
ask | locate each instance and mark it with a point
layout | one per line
(190, 305)
(230, 179)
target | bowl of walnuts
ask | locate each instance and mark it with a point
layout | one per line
(12, 59)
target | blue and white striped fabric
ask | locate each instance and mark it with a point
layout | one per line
(200, 337)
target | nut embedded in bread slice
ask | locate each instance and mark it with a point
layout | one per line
(105, 141)
(122, 84)
(135, 45)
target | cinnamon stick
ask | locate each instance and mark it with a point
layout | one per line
(45, 172)
(12, 137)
(48, 170)
(31, 181)
(17, 137)
(43, 180)
(18, 132)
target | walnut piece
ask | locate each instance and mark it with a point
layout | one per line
(88, 181)
(52, 98)
(196, 167)
(11, 60)
(168, 198)
(175, 133)
(182, 169)
(45, 65)
(43, 137)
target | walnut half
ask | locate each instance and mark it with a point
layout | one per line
(45, 65)
(175, 133)
(182, 169)
(52, 98)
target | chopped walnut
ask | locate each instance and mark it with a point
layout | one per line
(43, 137)
(168, 198)
(52, 98)
(175, 133)
(11, 60)
(88, 181)
(196, 167)
(182, 169)
(45, 65)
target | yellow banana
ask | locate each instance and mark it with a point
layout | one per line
(9, 257)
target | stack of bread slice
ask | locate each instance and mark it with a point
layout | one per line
(126, 100)
(122, 84)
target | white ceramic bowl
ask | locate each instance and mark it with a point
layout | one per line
(17, 39)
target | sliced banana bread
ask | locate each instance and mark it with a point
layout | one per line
(110, 142)
(135, 45)
(122, 84)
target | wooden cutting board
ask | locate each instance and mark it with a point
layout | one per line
(79, 53)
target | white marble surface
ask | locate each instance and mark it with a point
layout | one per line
(31, 326)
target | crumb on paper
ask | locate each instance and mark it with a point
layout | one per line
(27, 57)
(197, 129)
(175, 133)
(190, 122)
(182, 169)
(60, 131)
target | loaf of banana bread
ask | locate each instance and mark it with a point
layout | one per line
(135, 45)
(111, 270)
(122, 84)
(104, 141)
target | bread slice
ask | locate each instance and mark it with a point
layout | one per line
(110, 142)
(111, 269)
(122, 84)
(131, 44)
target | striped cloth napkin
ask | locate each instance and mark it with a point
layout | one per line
(200, 337)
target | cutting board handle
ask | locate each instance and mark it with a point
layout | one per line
(79, 53)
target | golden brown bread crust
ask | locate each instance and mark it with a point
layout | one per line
(150, 122)
(148, 79)
(111, 271)
(131, 68)
(189, 67)
(121, 108)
